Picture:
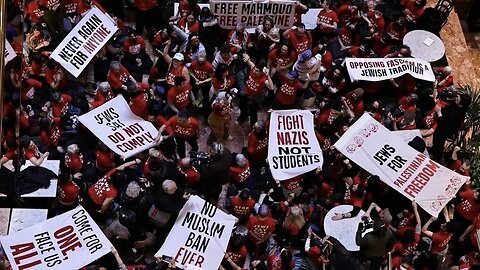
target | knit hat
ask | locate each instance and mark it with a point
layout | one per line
(133, 190)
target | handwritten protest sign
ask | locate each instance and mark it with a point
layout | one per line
(68, 241)
(9, 52)
(200, 235)
(252, 13)
(381, 152)
(121, 130)
(379, 69)
(292, 146)
(84, 41)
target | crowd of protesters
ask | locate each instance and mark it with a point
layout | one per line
(188, 76)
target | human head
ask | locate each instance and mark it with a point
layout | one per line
(201, 57)
(305, 55)
(182, 115)
(179, 81)
(263, 211)
(115, 66)
(169, 186)
(259, 126)
(73, 149)
(244, 194)
(118, 179)
(103, 86)
(177, 59)
(240, 27)
(133, 190)
(241, 160)
(357, 93)
(405, 51)
(222, 71)
(300, 29)
(194, 39)
(267, 23)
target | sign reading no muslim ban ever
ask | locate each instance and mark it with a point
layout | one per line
(9, 52)
(379, 69)
(84, 41)
(121, 130)
(252, 13)
(200, 235)
(67, 241)
(381, 152)
(293, 148)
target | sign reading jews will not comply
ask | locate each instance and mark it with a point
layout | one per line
(379, 69)
(84, 41)
(293, 148)
(252, 13)
(68, 241)
(200, 235)
(121, 130)
(383, 153)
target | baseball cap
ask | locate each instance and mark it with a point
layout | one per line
(178, 56)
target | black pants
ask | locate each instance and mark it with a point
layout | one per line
(204, 88)
(181, 145)
(145, 18)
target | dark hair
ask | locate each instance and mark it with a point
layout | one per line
(269, 19)
(118, 179)
(179, 80)
(154, 165)
(221, 68)
(244, 194)
(25, 141)
(285, 257)
(299, 24)
(236, 242)
(260, 65)
(64, 177)
(407, 237)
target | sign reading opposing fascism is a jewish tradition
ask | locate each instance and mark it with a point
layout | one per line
(84, 41)
(293, 148)
(252, 13)
(120, 129)
(379, 69)
(68, 241)
(9, 52)
(381, 152)
(200, 235)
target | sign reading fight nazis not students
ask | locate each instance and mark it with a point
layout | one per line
(252, 13)
(381, 152)
(68, 241)
(120, 129)
(293, 148)
(84, 41)
(200, 235)
(379, 69)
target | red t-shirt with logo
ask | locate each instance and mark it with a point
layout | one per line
(279, 59)
(260, 228)
(201, 71)
(179, 97)
(240, 208)
(300, 44)
(467, 207)
(102, 189)
(117, 80)
(134, 46)
(255, 84)
(327, 17)
(187, 130)
(287, 93)
(74, 162)
(67, 192)
(240, 174)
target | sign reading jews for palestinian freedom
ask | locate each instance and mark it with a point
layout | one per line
(200, 235)
(379, 69)
(381, 152)
(9, 52)
(84, 41)
(121, 130)
(68, 241)
(293, 148)
(251, 13)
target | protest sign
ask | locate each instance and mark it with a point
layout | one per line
(121, 130)
(84, 41)
(381, 152)
(9, 52)
(200, 235)
(68, 241)
(293, 148)
(379, 69)
(408, 135)
(252, 13)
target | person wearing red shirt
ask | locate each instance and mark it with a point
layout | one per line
(180, 96)
(397, 29)
(292, 186)
(104, 157)
(118, 76)
(176, 66)
(281, 59)
(138, 101)
(94, 98)
(30, 151)
(257, 144)
(71, 17)
(468, 207)
(201, 71)
(185, 130)
(67, 191)
(408, 240)
(327, 22)
(189, 24)
(239, 171)
(59, 106)
(353, 100)
(405, 122)
(298, 37)
(27, 92)
(346, 13)
(188, 7)
(381, 45)
(414, 10)
(461, 166)
(133, 44)
(260, 226)
(440, 238)
(241, 206)
(185, 167)
(146, 14)
(253, 92)
(55, 75)
(239, 39)
(9, 150)
(443, 78)
(74, 159)
(375, 21)
(286, 95)
(135, 59)
(33, 12)
(236, 250)
(101, 194)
